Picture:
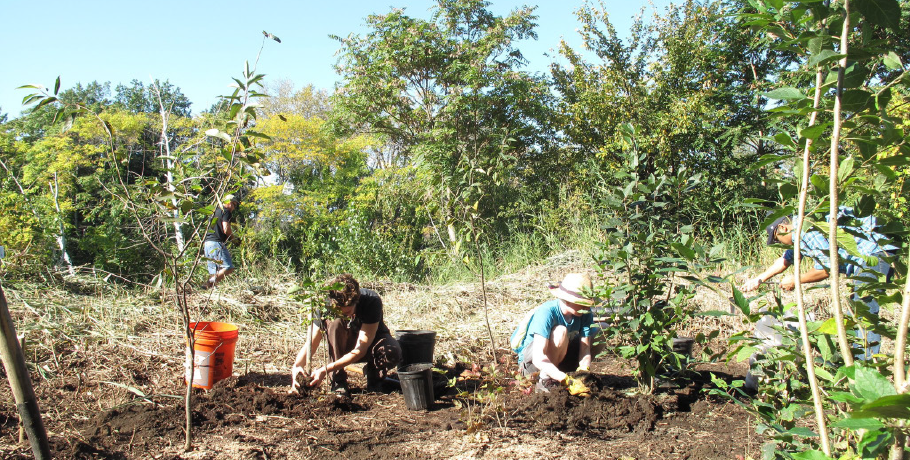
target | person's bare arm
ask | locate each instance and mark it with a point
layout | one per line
(226, 228)
(364, 339)
(585, 352)
(776, 268)
(540, 359)
(788, 283)
(300, 362)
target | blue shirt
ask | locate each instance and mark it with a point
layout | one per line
(814, 244)
(548, 316)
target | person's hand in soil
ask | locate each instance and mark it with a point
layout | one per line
(576, 387)
(582, 373)
(318, 376)
(296, 371)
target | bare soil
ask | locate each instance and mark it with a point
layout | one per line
(252, 416)
(107, 366)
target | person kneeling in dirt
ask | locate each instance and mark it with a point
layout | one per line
(358, 335)
(556, 337)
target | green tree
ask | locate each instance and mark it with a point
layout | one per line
(447, 93)
(687, 81)
(316, 174)
(843, 145)
(145, 99)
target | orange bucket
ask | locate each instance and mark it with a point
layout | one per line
(214, 357)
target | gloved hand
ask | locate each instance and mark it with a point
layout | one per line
(576, 387)
(583, 369)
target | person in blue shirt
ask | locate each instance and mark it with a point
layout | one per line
(874, 250)
(556, 337)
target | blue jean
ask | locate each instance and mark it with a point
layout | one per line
(218, 255)
(871, 276)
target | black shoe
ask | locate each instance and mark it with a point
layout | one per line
(547, 385)
(340, 389)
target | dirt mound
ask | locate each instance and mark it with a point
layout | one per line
(234, 399)
(606, 410)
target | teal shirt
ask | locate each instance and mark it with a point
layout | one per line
(548, 316)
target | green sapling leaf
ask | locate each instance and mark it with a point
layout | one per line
(893, 61)
(871, 385)
(787, 93)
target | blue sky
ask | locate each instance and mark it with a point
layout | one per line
(200, 45)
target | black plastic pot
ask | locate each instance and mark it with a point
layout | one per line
(683, 345)
(417, 385)
(416, 346)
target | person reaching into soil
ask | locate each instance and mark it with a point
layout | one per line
(357, 335)
(214, 245)
(556, 337)
(870, 244)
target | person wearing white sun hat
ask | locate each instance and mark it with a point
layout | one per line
(556, 337)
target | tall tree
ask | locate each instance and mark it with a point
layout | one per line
(686, 80)
(145, 99)
(447, 92)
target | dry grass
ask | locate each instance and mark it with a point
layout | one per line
(104, 319)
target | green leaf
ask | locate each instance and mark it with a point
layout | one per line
(252, 133)
(820, 182)
(845, 169)
(57, 85)
(893, 61)
(883, 13)
(811, 455)
(741, 302)
(45, 101)
(133, 390)
(865, 206)
(787, 93)
(785, 140)
(713, 313)
(871, 385)
(844, 239)
(823, 374)
(812, 132)
(857, 100)
(627, 190)
(844, 397)
(802, 431)
(684, 251)
(815, 45)
(745, 353)
(824, 56)
(875, 443)
(858, 424)
(828, 327)
(893, 406)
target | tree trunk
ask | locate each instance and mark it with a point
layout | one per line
(61, 235)
(833, 256)
(169, 167)
(21, 383)
(800, 303)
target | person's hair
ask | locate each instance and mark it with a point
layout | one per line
(349, 294)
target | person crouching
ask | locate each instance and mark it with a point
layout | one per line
(358, 335)
(556, 338)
